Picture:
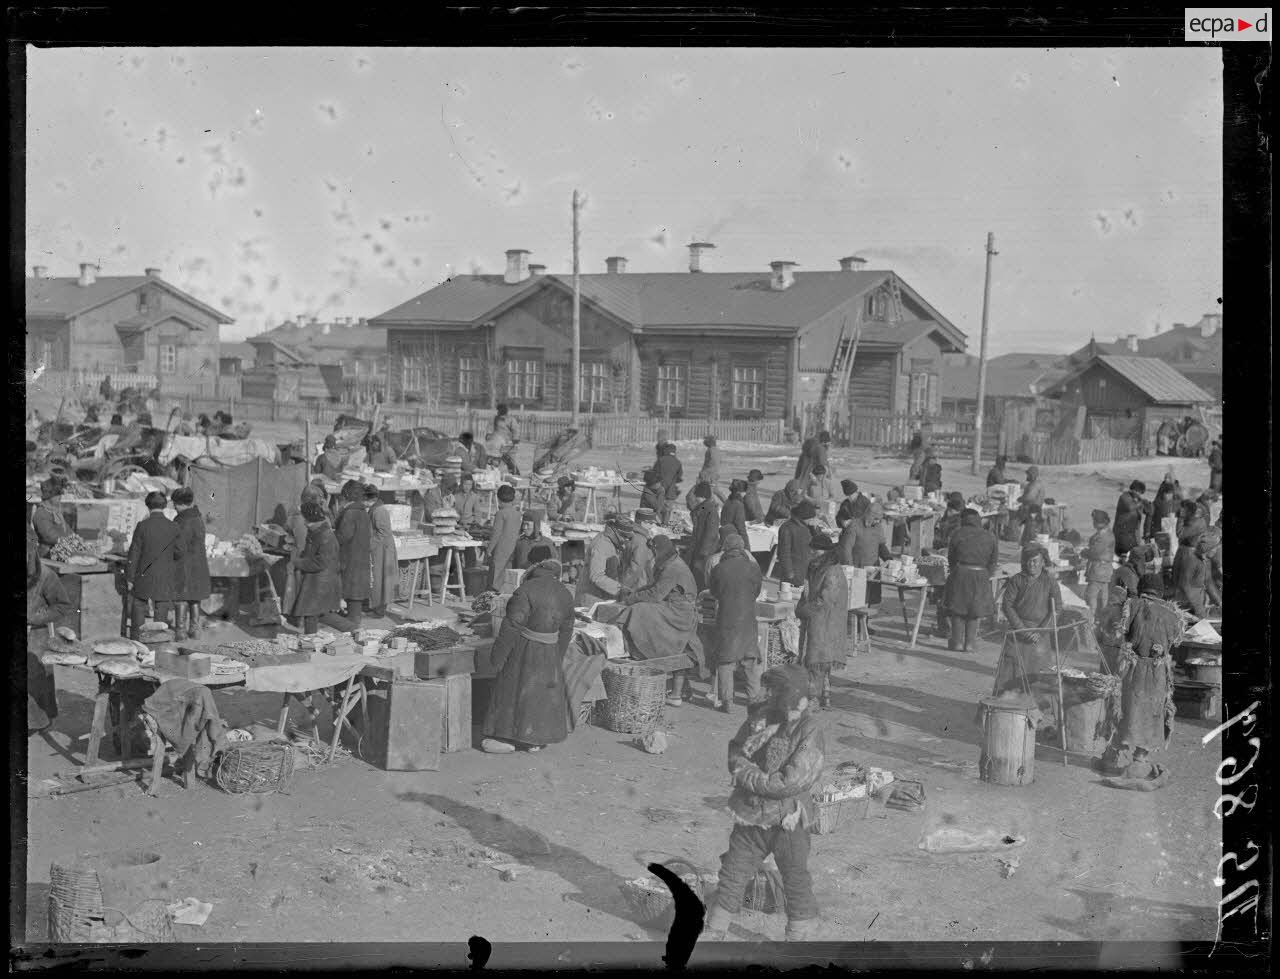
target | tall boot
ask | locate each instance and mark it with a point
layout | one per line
(970, 633)
(956, 641)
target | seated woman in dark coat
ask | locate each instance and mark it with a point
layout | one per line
(530, 701)
(1030, 597)
(972, 557)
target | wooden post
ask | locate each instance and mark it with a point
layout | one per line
(577, 321)
(1057, 661)
(306, 443)
(982, 358)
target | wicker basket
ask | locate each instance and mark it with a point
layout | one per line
(650, 898)
(635, 695)
(764, 892)
(79, 913)
(832, 814)
(255, 766)
(776, 654)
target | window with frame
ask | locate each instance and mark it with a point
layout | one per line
(919, 399)
(524, 380)
(168, 357)
(748, 388)
(470, 377)
(134, 349)
(878, 306)
(673, 386)
(594, 383)
(413, 369)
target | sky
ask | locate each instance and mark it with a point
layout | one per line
(272, 182)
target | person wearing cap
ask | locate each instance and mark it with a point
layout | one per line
(384, 566)
(751, 497)
(821, 489)
(661, 619)
(1215, 465)
(653, 496)
(330, 461)
(598, 581)
(47, 519)
(775, 760)
(1133, 566)
(569, 507)
(1131, 511)
(949, 522)
(734, 511)
(150, 568)
(1097, 571)
(1033, 523)
(973, 554)
(1193, 584)
(636, 563)
(1030, 503)
(320, 577)
(734, 582)
(354, 533)
(823, 612)
(380, 457)
(530, 538)
(813, 452)
(931, 474)
(1030, 597)
(669, 470)
(726, 531)
(467, 502)
(501, 546)
(706, 523)
(191, 566)
(848, 508)
(794, 544)
(1146, 682)
(1193, 518)
(995, 475)
(782, 502)
(529, 706)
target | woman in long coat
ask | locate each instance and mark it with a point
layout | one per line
(353, 531)
(662, 619)
(734, 511)
(735, 585)
(823, 613)
(972, 558)
(320, 588)
(384, 571)
(191, 565)
(1131, 511)
(866, 550)
(1029, 600)
(1146, 681)
(530, 701)
(793, 545)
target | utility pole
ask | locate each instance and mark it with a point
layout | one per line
(982, 357)
(577, 319)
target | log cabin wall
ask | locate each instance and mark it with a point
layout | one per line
(709, 364)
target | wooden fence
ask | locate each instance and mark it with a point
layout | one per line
(1044, 450)
(82, 382)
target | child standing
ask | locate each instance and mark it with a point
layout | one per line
(773, 771)
(191, 585)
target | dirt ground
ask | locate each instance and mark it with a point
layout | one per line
(534, 847)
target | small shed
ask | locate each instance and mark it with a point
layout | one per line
(288, 384)
(1130, 397)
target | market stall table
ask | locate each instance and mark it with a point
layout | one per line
(415, 550)
(591, 509)
(451, 549)
(238, 565)
(919, 525)
(70, 576)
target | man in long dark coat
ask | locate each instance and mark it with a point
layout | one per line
(191, 569)
(1131, 513)
(793, 545)
(706, 533)
(530, 702)
(734, 511)
(823, 613)
(812, 453)
(152, 563)
(735, 585)
(320, 580)
(354, 533)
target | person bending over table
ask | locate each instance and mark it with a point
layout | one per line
(636, 560)
(973, 555)
(783, 501)
(598, 580)
(1029, 599)
(530, 706)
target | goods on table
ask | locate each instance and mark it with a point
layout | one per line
(221, 666)
(581, 531)
(262, 652)
(444, 522)
(435, 637)
(82, 561)
(595, 475)
(121, 669)
(248, 545)
(72, 545)
(64, 659)
(118, 647)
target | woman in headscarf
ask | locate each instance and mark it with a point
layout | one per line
(823, 613)
(320, 587)
(734, 512)
(297, 527)
(353, 532)
(384, 568)
(1146, 683)
(661, 619)
(530, 705)
(1030, 597)
(330, 461)
(781, 502)
(49, 523)
(973, 554)
(47, 603)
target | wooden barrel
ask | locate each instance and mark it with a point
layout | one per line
(1008, 741)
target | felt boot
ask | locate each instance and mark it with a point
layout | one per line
(717, 924)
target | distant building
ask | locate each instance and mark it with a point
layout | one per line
(140, 329)
(359, 350)
(1013, 377)
(234, 358)
(697, 344)
(1194, 351)
(1130, 397)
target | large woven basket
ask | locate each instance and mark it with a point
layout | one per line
(255, 766)
(80, 911)
(776, 654)
(635, 694)
(650, 898)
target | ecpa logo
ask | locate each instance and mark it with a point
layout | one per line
(1227, 24)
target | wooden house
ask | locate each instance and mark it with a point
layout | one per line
(1194, 351)
(139, 329)
(695, 344)
(1129, 397)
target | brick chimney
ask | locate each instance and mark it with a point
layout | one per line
(616, 264)
(39, 271)
(535, 269)
(517, 265)
(1210, 323)
(852, 263)
(696, 250)
(1131, 342)
(88, 274)
(152, 273)
(783, 275)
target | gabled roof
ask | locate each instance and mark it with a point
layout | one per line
(245, 351)
(661, 301)
(959, 382)
(265, 341)
(340, 338)
(1153, 377)
(63, 296)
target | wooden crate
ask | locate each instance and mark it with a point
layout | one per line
(437, 663)
(405, 726)
(455, 728)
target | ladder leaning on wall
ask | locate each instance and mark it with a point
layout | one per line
(836, 386)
